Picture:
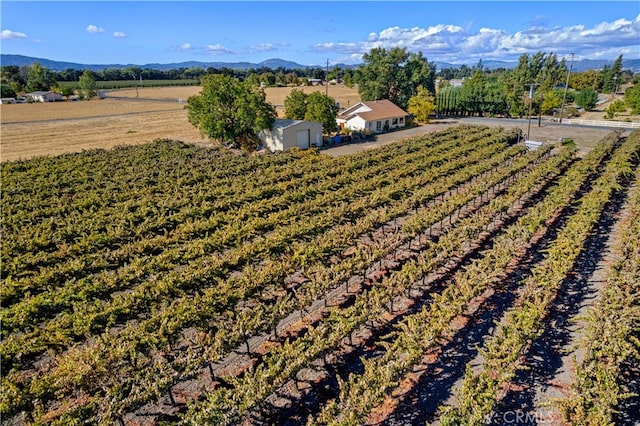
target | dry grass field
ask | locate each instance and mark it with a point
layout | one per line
(276, 95)
(29, 130)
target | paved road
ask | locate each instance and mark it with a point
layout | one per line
(548, 131)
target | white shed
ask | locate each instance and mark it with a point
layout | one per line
(292, 133)
(42, 96)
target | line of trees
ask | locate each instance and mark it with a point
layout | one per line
(22, 79)
(506, 92)
(393, 74)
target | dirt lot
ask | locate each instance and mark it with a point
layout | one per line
(29, 130)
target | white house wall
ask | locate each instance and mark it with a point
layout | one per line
(373, 125)
(356, 123)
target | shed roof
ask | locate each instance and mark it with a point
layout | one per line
(282, 123)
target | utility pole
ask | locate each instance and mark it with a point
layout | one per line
(566, 86)
(326, 77)
(531, 91)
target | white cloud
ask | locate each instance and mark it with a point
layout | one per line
(185, 46)
(93, 29)
(264, 47)
(217, 49)
(340, 47)
(267, 47)
(455, 44)
(118, 34)
(8, 34)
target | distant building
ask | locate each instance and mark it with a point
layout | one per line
(42, 96)
(292, 133)
(376, 116)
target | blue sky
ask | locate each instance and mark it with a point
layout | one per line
(310, 33)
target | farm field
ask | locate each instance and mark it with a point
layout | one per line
(29, 130)
(276, 95)
(176, 283)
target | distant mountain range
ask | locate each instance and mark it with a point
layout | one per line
(20, 60)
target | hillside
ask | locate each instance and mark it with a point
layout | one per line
(20, 60)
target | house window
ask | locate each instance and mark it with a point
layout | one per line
(378, 125)
(394, 121)
(401, 120)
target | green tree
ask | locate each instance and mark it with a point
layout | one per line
(612, 76)
(281, 79)
(295, 105)
(14, 76)
(587, 99)
(551, 99)
(348, 78)
(67, 90)
(87, 85)
(617, 107)
(582, 80)
(541, 69)
(472, 94)
(632, 98)
(322, 108)
(495, 99)
(38, 78)
(7, 91)
(268, 78)
(292, 79)
(422, 104)
(447, 100)
(228, 110)
(253, 79)
(394, 74)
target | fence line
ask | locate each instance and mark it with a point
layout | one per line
(603, 123)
